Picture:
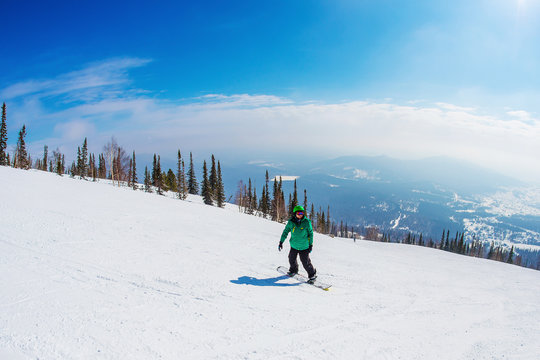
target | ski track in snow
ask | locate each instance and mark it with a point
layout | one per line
(94, 271)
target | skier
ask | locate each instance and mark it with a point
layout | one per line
(301, 242)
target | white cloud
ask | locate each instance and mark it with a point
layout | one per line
(79, 83)
(76, 130)
(329, 129)
(260, 125)
(522, 115)
(453, 107)
(220, 100)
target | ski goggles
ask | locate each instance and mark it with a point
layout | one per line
(299, 213)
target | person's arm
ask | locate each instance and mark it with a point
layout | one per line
(310, 233)
(286, 232)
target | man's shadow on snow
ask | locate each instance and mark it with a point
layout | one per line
(249, 280)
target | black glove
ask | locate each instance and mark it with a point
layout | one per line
(280, 246)
(310, 248)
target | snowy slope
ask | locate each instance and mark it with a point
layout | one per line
(91, 271)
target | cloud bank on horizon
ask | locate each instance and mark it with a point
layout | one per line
(100, 101)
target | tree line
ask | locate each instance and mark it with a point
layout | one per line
(116, 165)
(459, 245)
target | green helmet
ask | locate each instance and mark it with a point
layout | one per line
(298, 208)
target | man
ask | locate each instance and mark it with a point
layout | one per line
(301, 242)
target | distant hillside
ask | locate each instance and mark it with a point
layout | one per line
(422, 196)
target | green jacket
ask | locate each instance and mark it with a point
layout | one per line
(301, 234)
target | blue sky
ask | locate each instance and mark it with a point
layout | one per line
(410, 79)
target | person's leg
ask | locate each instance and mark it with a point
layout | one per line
(306, 262)
(292, 261)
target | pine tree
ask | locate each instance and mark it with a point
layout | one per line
(282, 211)
(130, 173)
(328, 223)
(181, 176)
(45, 159)
(76, 170)
(213, 178)
(263, 204)
(154, 171)
(278, 211)
(441, 245)
(295, 196)
(3, 138)
(274, 208)
(21, 154)
(58, 162)
(291, 205)
(93, 169)
(220, 191)
(73, 169)
(206, 191)
(268, 204)
(91, 165)
(84, 159)
(461, 244)
(511, 256)
(147, 180)
(322, 222)
(134, 178)
(102, 167)
(159, 177)
(169, 181)
(249, 198)
(254, 201)
(193, 186)
(305, 200)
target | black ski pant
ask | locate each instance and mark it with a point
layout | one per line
(306, 261)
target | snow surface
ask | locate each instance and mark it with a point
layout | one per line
(92, 271)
